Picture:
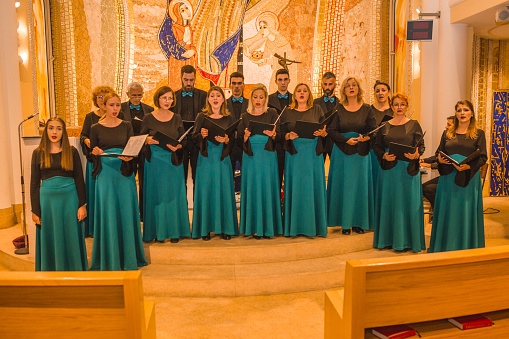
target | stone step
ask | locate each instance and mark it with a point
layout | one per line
(234, 280)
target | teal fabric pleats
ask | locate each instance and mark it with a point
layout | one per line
(260, 204)
(350, 192)
(214, 196)
(90, 189)
(399, 214)
(60, 243)
(165, 212)
(305, 201)
(375, 166)
(458, 220)
(117, 231)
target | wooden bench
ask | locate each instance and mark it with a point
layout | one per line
(74, 305)
(424, 289)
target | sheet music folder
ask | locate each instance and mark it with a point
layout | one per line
(476, 154)
(306, 129)
(399, 150)
(132, 149)
(216, 130)
(166, 139)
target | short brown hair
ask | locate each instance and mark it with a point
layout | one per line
(400, 96)
(293, 104)
(98, 90)
(187, 69)
(162, 91)
(236, 75)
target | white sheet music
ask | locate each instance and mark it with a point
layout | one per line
(134, 145)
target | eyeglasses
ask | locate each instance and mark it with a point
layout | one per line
(399, 105)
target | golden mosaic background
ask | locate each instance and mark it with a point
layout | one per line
(115, 42)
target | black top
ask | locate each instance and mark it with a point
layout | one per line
(279, 104)
(407, 134)
(237, 108)
(288, 119)
(326, 106)
(268, 117)
(187, 111)
(173, 128)
(111, 137)
(55, 170)
(224, 122)
(90, 119)
(361, 121)
(463, 145)
(379, 115)
(128, 114)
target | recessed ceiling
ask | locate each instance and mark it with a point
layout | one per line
(485, 26)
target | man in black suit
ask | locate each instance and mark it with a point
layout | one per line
(327, 102)
(237, 105)
(134, 111)
(279, 100)
(189, 102)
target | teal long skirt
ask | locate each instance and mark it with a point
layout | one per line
(260, 205)
(375, 167)
(399, 214)
(90, 189)
(214, 196)
(350, 190)
(117, 231)
(165, 212)
(305, 201)
(458, 220)
(60, 244)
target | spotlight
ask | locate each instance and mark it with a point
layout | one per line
(17, 4)
(418, 9)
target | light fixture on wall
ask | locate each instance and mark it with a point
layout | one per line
(418, 9)
(17, 4)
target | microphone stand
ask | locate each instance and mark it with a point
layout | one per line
(23, 250)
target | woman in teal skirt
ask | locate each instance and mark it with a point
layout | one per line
(91, 119)
(399, 214)
(57, 192)
(214, 207)
(117, 232)
(305, 201)
(165, 212)
(260, 206)
(350, 192)
(458, 221)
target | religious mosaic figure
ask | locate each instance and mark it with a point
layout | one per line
(203, 33)
(268, 46)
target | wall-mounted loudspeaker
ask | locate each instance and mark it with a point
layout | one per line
(502, 15)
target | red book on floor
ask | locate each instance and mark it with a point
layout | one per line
(471, 321)
(394, 332)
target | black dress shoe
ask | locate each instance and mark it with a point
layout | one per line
(347, 232)
(226, 236)
(358, 230)
(207, 237)
(266, 237)
(257, 237)
(174, 240)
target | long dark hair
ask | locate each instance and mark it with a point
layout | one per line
(45, 147)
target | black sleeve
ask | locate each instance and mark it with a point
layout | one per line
(333, 131)
(246, 146)
(443, 169)
(197, 137)
(35, 183)
(227, 148)
(79, 181)
(288, 145)
(85, 134)
(463, 178)
(418, 141)
(321, 142)
(127, 168)
(271, 143)
(379, 149)
(177, 157)
(363, 148)
(144, 125)
(96, 160)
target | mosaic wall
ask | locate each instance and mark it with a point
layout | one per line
(104, 42)
(499, 178)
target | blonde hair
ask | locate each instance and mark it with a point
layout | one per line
(472, 127)
(45, 147)
(309, 103)
(258, 87)
(207, 110)
(342, 96)
(105, 100)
